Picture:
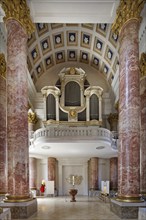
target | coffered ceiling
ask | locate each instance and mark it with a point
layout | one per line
(57, 43)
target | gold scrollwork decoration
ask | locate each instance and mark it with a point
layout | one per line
(18, 10)
(127, 10)
(32, 117)
(2, 65)
(143, 64)
(113, 117)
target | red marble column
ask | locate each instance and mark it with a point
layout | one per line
(52, 170)
(114, 173)
(93, 173)
(3, 145)
(32, 173)
(129, 114)
(17, 116)
(143, 136)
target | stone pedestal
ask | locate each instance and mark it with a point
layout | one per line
(126, 210)
(21, 210)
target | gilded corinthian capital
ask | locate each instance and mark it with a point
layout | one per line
(128, 9)
(18, 10)
(143, 64)
(2, 65)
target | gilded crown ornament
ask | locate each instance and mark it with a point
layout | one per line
(128, 9)
(18, 10)
(2, 65)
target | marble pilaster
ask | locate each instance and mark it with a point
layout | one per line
(52, 169)
(32, 173)
(3, 135)
(93, 173)
(114, 173)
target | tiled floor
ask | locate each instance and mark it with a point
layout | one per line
(85, 208)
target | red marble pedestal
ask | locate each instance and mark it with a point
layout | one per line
(73, 193)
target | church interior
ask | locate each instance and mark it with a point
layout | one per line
(72, 108)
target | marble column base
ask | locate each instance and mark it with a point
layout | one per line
(21, 210)
(126, 210)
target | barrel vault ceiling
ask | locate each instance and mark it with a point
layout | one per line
(72, 33)
(56, 43)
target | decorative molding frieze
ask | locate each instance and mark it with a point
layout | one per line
(19, 11)
(127, 10)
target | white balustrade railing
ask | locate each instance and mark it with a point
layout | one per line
(75, 133)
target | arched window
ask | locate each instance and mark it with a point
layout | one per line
(72, 94)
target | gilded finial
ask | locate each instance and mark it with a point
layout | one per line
(128, 9)
(2, 65)
(18, 10)
(143, 64)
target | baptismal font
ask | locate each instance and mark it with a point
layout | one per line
(74, 180)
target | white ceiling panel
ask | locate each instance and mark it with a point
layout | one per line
(73, 11)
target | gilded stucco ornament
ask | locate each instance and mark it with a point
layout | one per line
(127, 10)
(112, 117)
(117, 106)
(32, 117)
(18, 10)
(143, 64)
(2, 65)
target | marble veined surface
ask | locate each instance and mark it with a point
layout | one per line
(85, 208)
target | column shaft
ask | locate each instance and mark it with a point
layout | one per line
(129, 112)
(3, 144)
(17, 107)
(143, 136)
